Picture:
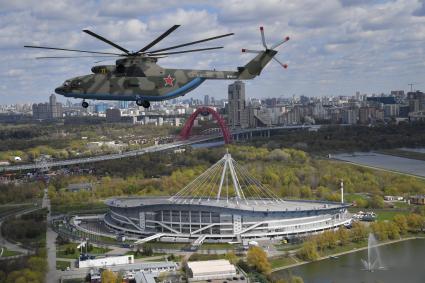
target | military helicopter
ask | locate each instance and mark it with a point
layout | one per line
(136, 76)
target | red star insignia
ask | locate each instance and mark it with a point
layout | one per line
(169, 80)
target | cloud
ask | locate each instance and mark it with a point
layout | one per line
(336, 47)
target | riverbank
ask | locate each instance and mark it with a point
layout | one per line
(345, 252)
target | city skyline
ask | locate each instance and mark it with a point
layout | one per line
(337, 48)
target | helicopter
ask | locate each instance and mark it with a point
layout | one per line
(136, 76)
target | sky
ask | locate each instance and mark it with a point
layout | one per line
(337, 47)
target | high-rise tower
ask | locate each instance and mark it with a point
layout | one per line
(236, 97)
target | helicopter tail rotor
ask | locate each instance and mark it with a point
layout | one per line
(272, 47)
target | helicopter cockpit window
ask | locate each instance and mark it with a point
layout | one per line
(135, 71)
(120, 69)
(76, 83)
(66, 83)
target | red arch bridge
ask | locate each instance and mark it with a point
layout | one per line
(205, 111)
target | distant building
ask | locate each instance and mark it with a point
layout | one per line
(207, 100)
(391, 110)
(47, 111)
(419, 199)
(113, 115)
(382, 99)
(416, 101)
(366, 115)
(123, 104)
(349, 116)
(100, 107)
(236, 105)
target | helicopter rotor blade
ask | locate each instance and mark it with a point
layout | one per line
(285, 66)
(73, 50)
(191, 43)
(106, 41)
(185, 51)
(159, 38)
(66, 57)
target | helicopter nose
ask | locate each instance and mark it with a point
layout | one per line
(60, 90)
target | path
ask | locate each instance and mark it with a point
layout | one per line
(52, 275)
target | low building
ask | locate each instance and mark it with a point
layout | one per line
(106, 261)
(393, 198)
(210, 269)
(419, 199)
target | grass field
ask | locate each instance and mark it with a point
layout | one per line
(216, 246)
(7, 252)
(164, 245)
(197, 257)
(281, 261)
(62, 265)
(389, 214)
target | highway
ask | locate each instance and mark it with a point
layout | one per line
(150, 149)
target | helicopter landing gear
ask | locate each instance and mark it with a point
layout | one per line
(144, 103)
(85, 104)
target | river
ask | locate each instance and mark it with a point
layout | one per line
(404, 262)
(385, 162)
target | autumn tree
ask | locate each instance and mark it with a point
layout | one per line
(108, 276)
(401, 221)
(308, 251)
(257, 258)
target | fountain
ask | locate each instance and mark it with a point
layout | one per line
(373, 261)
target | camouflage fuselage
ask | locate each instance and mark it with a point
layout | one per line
(141, 78)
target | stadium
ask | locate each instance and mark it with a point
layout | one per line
(225, 203)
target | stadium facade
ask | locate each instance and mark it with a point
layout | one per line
(225, 203)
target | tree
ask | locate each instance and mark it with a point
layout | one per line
(308, 251)
(230, 256)
(343, 236)
(415, 222)
(377, 202)
(257, 258)
(358, 232)
(401, 221)
(108, 276)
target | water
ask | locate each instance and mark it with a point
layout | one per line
(404, 262)
(387, 162)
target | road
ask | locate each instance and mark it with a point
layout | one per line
(149, 149)
(52, 275)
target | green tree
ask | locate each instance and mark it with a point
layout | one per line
(401, 221)
(257, 258)
(377, 202)
(358, 232)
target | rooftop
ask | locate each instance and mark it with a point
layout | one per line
(248, 204)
